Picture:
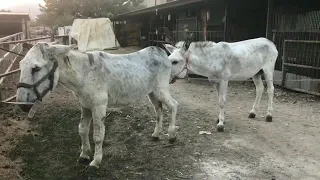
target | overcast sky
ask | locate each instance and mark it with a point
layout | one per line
(9, 3)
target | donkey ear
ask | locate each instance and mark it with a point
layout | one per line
(72, 47)
(61, 49)
(191, 36)
(170, 48)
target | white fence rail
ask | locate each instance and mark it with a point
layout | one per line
(7, 59)
(9, 54)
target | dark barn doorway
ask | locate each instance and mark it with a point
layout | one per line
(246, 19)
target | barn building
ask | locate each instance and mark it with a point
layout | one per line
(293, 25)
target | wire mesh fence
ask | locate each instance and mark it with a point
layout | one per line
(280, 36)
(176, 36)
(301, 65)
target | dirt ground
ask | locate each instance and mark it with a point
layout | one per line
(47, 146)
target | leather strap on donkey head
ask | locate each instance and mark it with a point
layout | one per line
(49, 76)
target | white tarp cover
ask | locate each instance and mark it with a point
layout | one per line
(93, 34)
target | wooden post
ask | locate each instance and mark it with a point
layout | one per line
(24, 27)
(284, 73)
(204, 19)
(197, 25)
(150, 32)
(225, 21)
(115, 36)
(270, 13)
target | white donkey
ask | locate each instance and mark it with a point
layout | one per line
(97, 79)
(222, 62)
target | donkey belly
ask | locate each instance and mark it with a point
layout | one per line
(121, 99)
(245, 74)
(126, 93)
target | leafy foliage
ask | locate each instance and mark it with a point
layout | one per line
(62, 12)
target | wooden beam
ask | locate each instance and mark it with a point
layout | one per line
(7, 50)
(9, 37)
(8, 73)
(28, 40)
(270, 12)
(301, 66)
(9, 99)
(284, 72)
(8, 53)
(9, 68)
(225, 21)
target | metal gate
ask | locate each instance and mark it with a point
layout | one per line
(301, 66)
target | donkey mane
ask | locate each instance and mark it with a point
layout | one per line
(203, 44)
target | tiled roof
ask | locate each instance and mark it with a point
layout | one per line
(15, 14)
(167, 5)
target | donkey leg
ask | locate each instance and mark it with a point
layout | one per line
(259, 90)
(269, 79)
(157, 104)
(171, 104)
(223, 88)
(99, 114)
(84, 128)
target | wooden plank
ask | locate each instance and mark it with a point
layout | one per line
(9, 37)
(8, 53)
(11, 51)
(270, 13)
(11, 72)
(19, 103)
(284, 75)
(32, 39)
(9, 68)
(294, 31)
(9, 99)
(303, 41)
(162, 41)
(305, 91)
(302, 66)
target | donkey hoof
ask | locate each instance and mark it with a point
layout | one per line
(269, 118)
(154, 138)
(92, 171)
(172, 140)
(252, 115)
(83, 161)
(220, 128)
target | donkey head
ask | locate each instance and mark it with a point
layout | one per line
(39, 72)
(179, 56)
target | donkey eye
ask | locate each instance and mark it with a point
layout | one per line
(35, 69)
(174, 62)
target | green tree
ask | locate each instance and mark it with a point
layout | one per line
(62, 12)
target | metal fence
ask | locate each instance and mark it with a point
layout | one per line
(176, 36)
(279, 37)
(301, 65)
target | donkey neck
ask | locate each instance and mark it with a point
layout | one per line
(204, 58)
(70, 72)
(201, 66)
